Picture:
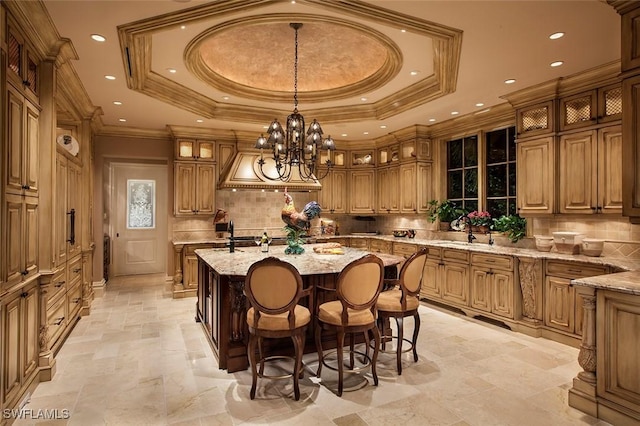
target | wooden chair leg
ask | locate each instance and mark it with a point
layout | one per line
(261, 355)
(352, 354)
(319, 348)
(400, 324)
(252, 361)
(374, 359)
(416, 330)
(298, 346)
(340, 343)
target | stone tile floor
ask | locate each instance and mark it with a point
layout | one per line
(141, 359)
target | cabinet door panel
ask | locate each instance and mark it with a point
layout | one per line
(362, 195)
(408, 191)
(559, 304)
(480, 289)
(185, 181)
(535, 178)
(30, 240)
(455, 283)
(382, 178)
(609, 170)
(31, 145)
(31, 326)
(206, 189)
(431, 279)
(11, 335)
(339, 191)
(424, 187)
(502, 294)
(14, 146)
(61, 228)
(14, 212)
(578, 174)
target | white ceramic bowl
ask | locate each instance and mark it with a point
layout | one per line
(592, 247)
(568, 242)
(544, 242)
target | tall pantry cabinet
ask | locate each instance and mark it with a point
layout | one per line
(19, 200)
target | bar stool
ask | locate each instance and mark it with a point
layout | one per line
(358, 287)
(273, 288)
(403, 301)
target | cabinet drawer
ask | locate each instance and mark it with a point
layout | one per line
(453, 255)
(433, 252)
(361, 243)
(380, 246)
(342, 241)
(74, 271)
(58, 287)
(56, 319)
(573, 270)
(492, 261)
(74, 300)
(404, 249)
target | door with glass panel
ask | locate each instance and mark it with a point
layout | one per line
(139, 218)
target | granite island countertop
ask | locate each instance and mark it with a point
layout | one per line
(623, 282)
(308, 263)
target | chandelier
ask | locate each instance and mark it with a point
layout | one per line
(292, 149)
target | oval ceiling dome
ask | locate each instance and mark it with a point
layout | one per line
(336, 59)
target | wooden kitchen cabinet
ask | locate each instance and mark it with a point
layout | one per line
(590, 172)
(408, 188)
(21, 173)
(492, 284)
(195, 149)
(190, 265)
(195, 185)
(562, 303)
(431, 279)
(359, 243)
(454, 276)
(591, 107)
(21, 263)
(333, 195)
(362, 191)
(535, 120)
(631, 148)
(380, 246)
(19, 318)
(388, 188)
(535, 176)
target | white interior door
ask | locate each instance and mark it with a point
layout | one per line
(139, 213)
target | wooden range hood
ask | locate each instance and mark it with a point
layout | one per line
(243, 172)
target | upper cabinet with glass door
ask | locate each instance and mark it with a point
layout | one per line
(22, 64)
(536, 120)
(195, 149)
(589, 108)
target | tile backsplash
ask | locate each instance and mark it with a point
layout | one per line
(254, 211)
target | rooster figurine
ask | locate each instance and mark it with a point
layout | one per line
(299, 220)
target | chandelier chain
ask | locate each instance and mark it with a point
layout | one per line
(295, 72)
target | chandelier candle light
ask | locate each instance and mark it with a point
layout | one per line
(290, 148)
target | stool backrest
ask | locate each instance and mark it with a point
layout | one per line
(360, 283)
(273, 286)
(412, 272)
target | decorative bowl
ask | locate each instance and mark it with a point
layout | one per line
(568, 242)
(399, 233)
(544, 242)
(592, 247)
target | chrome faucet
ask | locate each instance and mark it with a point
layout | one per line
(232, 242)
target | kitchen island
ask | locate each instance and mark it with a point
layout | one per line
(222, 305)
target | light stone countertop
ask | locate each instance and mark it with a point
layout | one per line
(623, 282)
(308, 263)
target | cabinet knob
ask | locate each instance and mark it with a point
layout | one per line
(59, 284)
(77, 270)
(26, 187)
(59, 321)
(24, 294)
(25, 272)
(26, 83)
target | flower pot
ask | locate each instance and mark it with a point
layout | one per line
(445, 226)
(480, 229)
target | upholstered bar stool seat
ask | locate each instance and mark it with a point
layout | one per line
(400, 302)
(358, 287)
(274, 288)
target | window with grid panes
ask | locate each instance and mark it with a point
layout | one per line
(462, 172)
(501, 172)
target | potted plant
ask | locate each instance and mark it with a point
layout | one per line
(513, 226)
(446, 212)
(480, 221)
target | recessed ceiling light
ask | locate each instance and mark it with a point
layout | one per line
(414, 72)
(199, 120)
(454, 113)
(182, 27)
(556, 63)
(432, 120)
(403, 30)
(479, 104)
(225, 98)
(98, 37)
(556, 36)
(117, 103)
(363, 99)
(365, 133)
(110, 77)
(122, 120)
(172, 70)
(383, 126)
(344, 135)
(510, 81)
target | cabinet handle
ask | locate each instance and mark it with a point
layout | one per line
(577, 271)
(490, 260)
(441, 264)
(24, 294)
(76, 300)
(25, 272)
(60, 284)
(26, 83)
(77, 270)
(59, 321)
(26, 187)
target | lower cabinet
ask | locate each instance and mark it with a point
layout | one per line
(492, 284)
(20, 326)
(190, 265)
(360, 243)
(563, 302)
(454, 276)
(380, 246)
